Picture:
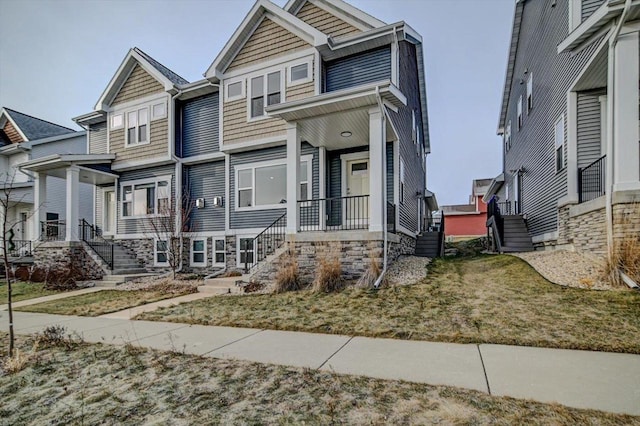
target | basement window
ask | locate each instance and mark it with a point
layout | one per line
(199, 252)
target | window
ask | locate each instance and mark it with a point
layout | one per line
(137, 127)
(559, 144)
(235, 90)
(520, 112)
(146, 198)
(218, 252)
(265, 185)
(199, 252)
(261, 98)
(160, 255)
(159, 111)
(530, 93)
(300, 73)
(414, 130)
(401, 192)
(246, 251)
(507, 137)
(117, 121)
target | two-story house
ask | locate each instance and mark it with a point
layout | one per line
(569, 122)
(309, 128)
(467, 221)
(24, 138)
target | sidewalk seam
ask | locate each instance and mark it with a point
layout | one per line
(484, 370)
(231, 343)
(338, 350)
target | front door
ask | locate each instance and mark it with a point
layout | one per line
(356, 205)
(109, 218)
(517, 187)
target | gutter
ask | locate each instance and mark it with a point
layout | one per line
(610, 128)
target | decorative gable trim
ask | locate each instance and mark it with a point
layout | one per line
(343, 10)
(122, 74)
(7, 118)
(260, 10)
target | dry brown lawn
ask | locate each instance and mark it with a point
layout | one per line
(23, 290)
(487, 299)
(100, 384)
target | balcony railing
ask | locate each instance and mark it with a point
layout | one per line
(19, 248)
(509, 207)
(591, 180)
(53, 230)
(335, 214)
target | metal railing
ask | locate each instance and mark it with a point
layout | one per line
(391, 217)
(19, 248)
(509, 207)
(436, 224)
(53, 230)
(93, 237)
(335, 214)
(264, 244)
(591, 180)
(495, 224)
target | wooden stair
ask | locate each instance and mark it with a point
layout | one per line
(516, 235)
(428, 244)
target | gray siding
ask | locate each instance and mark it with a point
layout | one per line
(76, 145)
(590, 6)
(532, 148)
(403, 122)
(200, 126)
(142, 225)
(206, 181)
(98, 139)
(367, 67)
(263, 218)
(589, 128)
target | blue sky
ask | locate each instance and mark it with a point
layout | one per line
(56, 58)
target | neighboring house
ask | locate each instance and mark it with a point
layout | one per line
(24, 138)
(466, 221)
(309, 127)
(569, 122)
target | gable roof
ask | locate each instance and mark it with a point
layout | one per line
(31, 128)
(169, 79)
(340, 9)
(513, 50)
(260, 10)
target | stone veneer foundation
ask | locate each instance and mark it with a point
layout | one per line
(61, 252)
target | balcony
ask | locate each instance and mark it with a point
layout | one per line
(591, 180)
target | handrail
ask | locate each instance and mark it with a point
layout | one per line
(335, 214)
(264, 244)
(100, 246)
(52, 230)
(491, 224)
(591, 180)
(495, 220)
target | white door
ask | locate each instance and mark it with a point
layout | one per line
(356, 204)
(24, 226)
(109, 217)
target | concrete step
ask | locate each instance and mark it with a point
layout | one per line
(129, 271)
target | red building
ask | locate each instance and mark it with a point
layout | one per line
(467, 221)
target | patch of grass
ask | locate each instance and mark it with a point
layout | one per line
(22, 290)
(102, 384)
(485, 299)
(99, 303)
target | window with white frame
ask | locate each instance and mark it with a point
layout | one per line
(401, 192)
(265, 91)
(160, 255)
(299, 73)
(265, 185)
(530, 93)
(199, 252)
(559, 144)
(218, 251)
(137, 127)
(519, 107)
(507, 137)
(117, 121)
(145, 198)
(246, 248)
(158, 110)
(235, 90)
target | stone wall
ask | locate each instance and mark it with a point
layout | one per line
(62, 252)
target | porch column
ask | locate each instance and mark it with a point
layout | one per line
(73, 203)
(626, 151)
(293, 170)
(377, 141)
(39, 213)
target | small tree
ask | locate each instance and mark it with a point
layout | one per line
(172, 223)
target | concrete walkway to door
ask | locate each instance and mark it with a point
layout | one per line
(581, 379)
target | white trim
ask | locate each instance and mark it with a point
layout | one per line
(192, 262)
(15, 126)
(133, 183)
(147, 141)
(344, 158)
(152, 117)
(265, 95)
(214, 251)
(308, 61)
(124, 165)
(228, 83)
(239, 251)
(271, 63)
(227, 185)
(530, 93)
(203, 158)
(575, 14)
(104, 191)
(317, 72)
(255, 144)
(155, 252)
(555, 143)
(135, 103)
(603, 124)
(112, 116)
(395, 60)
(519, 113)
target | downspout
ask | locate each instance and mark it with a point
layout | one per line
(384, 196)
(613, 40)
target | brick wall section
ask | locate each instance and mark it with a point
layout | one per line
(60, 252)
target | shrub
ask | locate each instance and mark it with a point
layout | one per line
(329, 275)
(16, 363)
(53, 335)
(368, 279)
(288, 276)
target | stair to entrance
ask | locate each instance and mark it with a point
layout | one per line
(124, 263)
(428, 244)
(516, 235)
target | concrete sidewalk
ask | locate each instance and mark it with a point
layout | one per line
(581, 379)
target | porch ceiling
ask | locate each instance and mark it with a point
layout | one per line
(57, 165)
(595, 76)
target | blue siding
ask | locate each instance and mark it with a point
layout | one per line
(206, 181)
(141, 226)
(367, 67)
(200, 126)
(263, 218)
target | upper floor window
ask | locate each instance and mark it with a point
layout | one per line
(137, 127)
(117, 121)
(265, 91)
(235, 90)
(559, 144)
(519, 112)
(507, 137)
(146, 198)
(300, 73)
(530, 93)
